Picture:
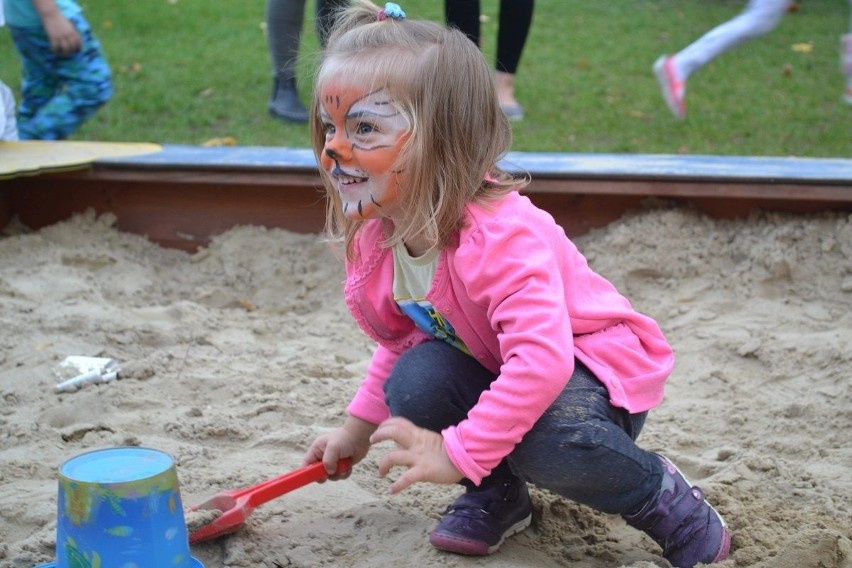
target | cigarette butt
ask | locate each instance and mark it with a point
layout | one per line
(80, 380)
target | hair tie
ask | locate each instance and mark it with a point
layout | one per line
(391, 10)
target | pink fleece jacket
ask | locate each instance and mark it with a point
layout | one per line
(525, 302)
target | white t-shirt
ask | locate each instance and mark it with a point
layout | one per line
(412, 279)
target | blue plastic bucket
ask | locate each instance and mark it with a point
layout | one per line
(121, 508)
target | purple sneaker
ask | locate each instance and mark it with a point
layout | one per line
(681, 521)
(479, 521)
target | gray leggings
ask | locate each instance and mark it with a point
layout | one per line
(582, 448)
(284, 30)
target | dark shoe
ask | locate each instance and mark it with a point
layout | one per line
(481, 519)
(681, 521)
(285, 102)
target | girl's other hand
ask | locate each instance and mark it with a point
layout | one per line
(421, 451)
(352, 440)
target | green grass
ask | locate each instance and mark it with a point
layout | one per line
(187, 71)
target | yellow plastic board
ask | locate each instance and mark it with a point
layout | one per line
(32, 157)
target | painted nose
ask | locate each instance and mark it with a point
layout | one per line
(336, 147)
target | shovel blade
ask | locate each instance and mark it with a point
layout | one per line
(231, 520)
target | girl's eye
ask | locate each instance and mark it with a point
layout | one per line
(364, 128)
(328, 129)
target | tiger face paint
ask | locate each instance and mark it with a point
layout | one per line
(365, 132)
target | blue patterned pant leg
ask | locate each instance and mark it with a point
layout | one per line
(59, 93)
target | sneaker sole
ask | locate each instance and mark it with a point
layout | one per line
(725, 545)
(467, 547)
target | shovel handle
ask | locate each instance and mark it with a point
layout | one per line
(278, 486)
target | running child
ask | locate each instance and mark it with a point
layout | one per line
(66, 78)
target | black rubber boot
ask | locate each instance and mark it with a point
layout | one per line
(284, 102)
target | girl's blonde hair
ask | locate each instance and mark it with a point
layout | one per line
(442, 82)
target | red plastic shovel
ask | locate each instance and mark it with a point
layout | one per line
(238, 504)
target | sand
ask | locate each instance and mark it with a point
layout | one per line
(234, 358)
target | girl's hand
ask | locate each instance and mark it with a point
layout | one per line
(420, 450)
(352, 440)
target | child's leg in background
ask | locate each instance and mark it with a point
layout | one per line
(37, 84)
(59, 93)
(758, 18)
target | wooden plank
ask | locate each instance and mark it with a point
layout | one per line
(544, 165)
(183, 196)
(742, 169)
(170, 211)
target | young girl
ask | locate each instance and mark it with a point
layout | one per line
(502, 358)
